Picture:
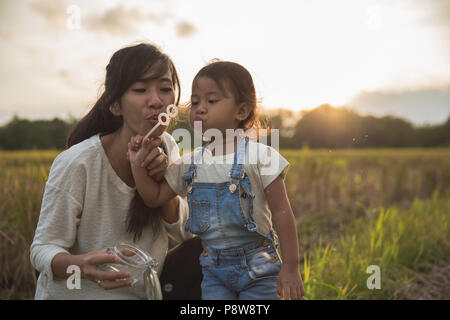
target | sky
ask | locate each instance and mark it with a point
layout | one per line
(375, 57)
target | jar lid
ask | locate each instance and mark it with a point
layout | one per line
(132, 255)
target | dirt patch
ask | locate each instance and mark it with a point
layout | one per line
(434, 285)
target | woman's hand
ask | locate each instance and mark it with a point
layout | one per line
(290, 283)
(89, 262)
(156, 163)
(149, 155)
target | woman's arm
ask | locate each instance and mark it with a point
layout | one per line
(56, 230)
(284, 222)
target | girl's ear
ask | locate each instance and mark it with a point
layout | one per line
(115, 109)
(243, 111)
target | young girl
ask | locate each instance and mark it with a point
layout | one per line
(232, 202)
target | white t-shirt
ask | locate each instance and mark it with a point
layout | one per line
(84, 208)
(263, 164)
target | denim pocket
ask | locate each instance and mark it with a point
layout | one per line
(263, 264)
(205, 261)
(199, 216)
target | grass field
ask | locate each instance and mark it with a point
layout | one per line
(354, 208)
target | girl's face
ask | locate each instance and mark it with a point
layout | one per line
(144, 100)
(211, 106)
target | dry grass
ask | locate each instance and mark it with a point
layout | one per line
(433, 285)
(22, 180)
(328, 189)
(402, 243)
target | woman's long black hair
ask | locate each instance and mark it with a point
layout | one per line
(126, 66)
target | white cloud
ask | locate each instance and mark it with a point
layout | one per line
(300, 53)
(426, 106)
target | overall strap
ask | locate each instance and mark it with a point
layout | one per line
(237, 175)
(237, 171)
(196, 157)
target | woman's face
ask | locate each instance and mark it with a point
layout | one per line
(141, 104)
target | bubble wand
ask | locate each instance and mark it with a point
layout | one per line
(171, 112)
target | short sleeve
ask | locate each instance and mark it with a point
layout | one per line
(174, 176)
(271, 164)
(171, 147)
(176, 229)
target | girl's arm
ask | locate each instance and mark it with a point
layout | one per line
(284, 222)
(153, 193)
(156, 164)
(283, 219)
(171, 210)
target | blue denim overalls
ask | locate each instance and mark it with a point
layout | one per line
(237, 262)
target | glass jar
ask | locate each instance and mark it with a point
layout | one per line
(140, 265)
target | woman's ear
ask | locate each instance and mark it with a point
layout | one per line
(115, 109)
(243, 111)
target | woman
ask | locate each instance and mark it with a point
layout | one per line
(90, 200)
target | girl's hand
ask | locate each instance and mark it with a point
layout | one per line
(133, 148)
(141, 152)
(106, 279)
(290, 283)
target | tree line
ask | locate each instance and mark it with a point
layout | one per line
(321, 127)
(328, 127)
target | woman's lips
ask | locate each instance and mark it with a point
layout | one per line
(153, 119)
